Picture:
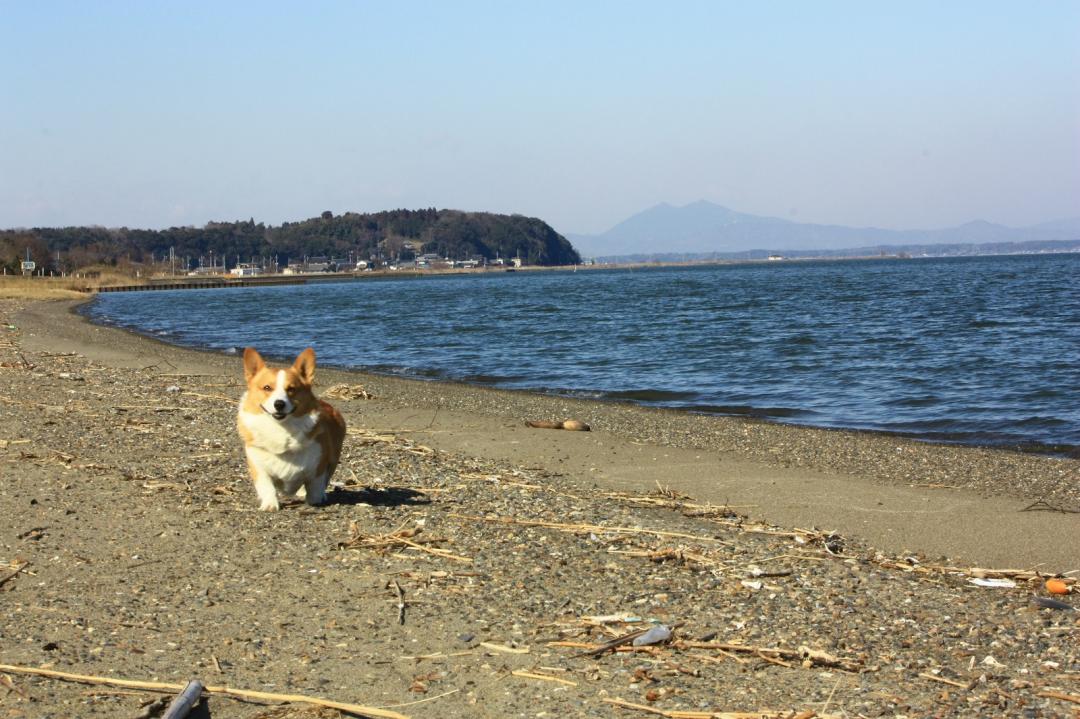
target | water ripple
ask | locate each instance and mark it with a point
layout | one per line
(973, 350)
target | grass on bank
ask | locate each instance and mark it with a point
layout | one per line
(62, 288)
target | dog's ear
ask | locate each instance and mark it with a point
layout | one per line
(305, 366)
(253, 362)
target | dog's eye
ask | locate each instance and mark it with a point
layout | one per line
(266, 388)
(290, 391)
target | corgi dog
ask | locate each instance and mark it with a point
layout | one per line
(291, 438)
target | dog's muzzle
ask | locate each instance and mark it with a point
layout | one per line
(281, 410)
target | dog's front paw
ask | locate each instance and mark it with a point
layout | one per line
(269, 505)
(315, 498)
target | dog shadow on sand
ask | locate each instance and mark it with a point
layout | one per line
(378, 496)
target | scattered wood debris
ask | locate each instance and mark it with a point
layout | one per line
(346, 392)
(570, 424)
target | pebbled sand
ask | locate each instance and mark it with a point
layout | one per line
(962, 503)
(131, 546)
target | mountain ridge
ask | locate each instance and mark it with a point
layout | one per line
(705, 228)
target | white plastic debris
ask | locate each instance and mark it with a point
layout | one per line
(993, 583)
(752, 585)
(657, 634)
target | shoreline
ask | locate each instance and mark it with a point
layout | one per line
(1027, 447)
(469, 566)
(797, 475)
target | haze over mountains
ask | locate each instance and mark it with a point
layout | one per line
(703, 229)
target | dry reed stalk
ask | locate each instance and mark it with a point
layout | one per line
(943, 680)
(806, 654)
(1074, 698)
(542, 677)
(684, 714)
(223, 690)
(579, 528)
(398, 538)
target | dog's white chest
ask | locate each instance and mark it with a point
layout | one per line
(282, 449)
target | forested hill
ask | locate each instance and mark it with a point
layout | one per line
(395, 235)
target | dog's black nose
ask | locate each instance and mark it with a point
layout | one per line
(279, 405)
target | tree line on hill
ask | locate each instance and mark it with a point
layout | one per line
(382, 237)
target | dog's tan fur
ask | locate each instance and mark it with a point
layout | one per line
(301, 448)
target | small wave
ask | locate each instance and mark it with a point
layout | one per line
(490, 379)
(749, 411)
(923, 401)
(650, 395)
(979, 324)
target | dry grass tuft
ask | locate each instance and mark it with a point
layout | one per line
(62, 288)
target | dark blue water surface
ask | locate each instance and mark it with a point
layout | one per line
(974, 350)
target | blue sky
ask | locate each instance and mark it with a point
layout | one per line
(898, 115)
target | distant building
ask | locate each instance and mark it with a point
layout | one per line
(429, 260)
(246, 270)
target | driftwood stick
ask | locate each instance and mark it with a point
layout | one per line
(226, 691)
(542, 677)
(805, 654)
(685, 714)
(620, 641)
(578, 528)
(944, 680)
(400, 602)
(1074, 698)
(613, 644)
(4, 580)
(181, 706)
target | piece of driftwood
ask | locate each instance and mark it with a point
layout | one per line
(18, 570)
(685, 714)
(621, 641)
(613, 644)
(398, 538)
(358, 709)
(1074, 698)
(181, 706)
(595, 528)
(944, 680)
(400, 601)
(571, 424)
(805, 654)
(542, 677)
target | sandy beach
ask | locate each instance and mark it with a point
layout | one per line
(470, 566)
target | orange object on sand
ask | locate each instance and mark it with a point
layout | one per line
(1056, 586)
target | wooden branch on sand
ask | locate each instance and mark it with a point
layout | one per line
(225, 691)
(685, 714)
(18, 570)
(805, 654)
(580, 528)
(1020, 575)
(401, 537)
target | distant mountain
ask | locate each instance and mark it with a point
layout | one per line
(704, 228)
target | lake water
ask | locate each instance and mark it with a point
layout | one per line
(972, 350)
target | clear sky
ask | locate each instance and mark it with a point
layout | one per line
(890, 114)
